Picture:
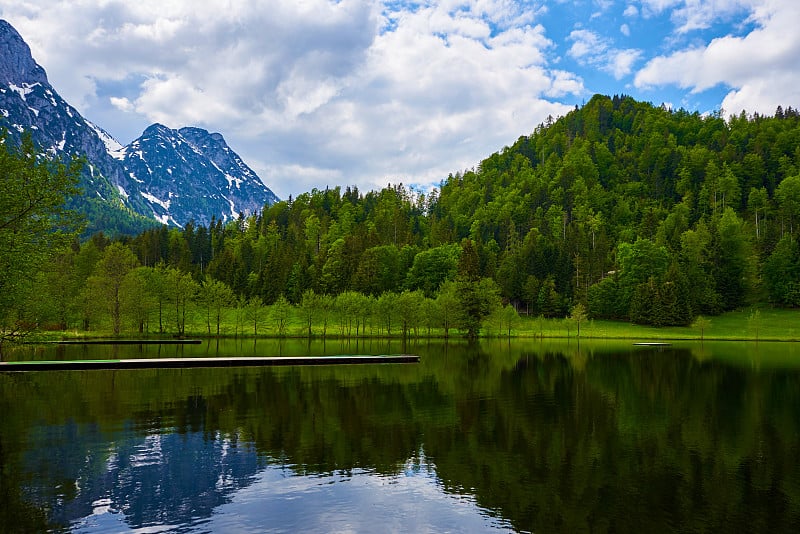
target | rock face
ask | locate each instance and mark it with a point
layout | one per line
(17, 65)
(29, 104)
(172, 176)
(191, 174)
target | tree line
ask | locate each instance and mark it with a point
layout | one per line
(102, 285)
(632, 211)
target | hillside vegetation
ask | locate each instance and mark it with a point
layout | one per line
(620, 208)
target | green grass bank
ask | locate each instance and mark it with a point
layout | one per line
(764, 324)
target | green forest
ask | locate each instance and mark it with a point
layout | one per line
(619, 210)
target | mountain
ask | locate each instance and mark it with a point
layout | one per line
(191, 174)
(167, 176)
(28, 103)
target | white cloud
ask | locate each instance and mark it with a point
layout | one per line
(302, 178)
(590, 48)
(631, 12)
(701, 14)
(691, 15)
(621, 62)
(652, 8)
(324, 92)
(764, 95)
(565, 83)
(603, 7)
(760, 68)
(586, 43)
(315, 91)
(122, 104)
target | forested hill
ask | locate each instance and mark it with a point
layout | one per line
(623, 186)
(635, 211)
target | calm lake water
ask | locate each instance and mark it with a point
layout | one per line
(519, 436)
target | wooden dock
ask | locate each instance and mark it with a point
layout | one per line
(128, 342)
(188, 363)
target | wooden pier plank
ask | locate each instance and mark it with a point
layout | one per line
(186, 363)
(128, 342)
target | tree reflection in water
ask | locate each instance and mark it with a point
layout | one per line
(544, 438)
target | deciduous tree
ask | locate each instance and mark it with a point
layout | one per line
(216, 296)
(106, 282)
(35, 226)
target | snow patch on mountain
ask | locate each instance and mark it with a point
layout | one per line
(155, 200)
(112, 145)
(24, 90)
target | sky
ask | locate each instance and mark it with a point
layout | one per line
(320, 93)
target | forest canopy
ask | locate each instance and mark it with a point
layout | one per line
(636, 212)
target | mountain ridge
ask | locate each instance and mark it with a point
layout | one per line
(172, 181)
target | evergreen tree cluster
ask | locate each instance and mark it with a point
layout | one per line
(634, 211)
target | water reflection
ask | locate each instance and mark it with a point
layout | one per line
(523, 436)
(159, 479)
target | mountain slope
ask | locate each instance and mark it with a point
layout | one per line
(168, 176)
(28, 103)
(190, 174)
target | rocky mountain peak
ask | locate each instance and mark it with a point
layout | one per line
(158, 130)
(172, 176)
(17, 65)
(185, 173)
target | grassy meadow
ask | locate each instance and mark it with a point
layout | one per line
(764, 324)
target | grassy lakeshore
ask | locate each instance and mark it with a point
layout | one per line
(769, 325)
(744, 325)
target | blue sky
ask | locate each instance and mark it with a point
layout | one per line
(316, 93)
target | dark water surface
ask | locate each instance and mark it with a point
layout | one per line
(518, 436)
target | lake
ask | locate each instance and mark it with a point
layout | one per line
(495, 437)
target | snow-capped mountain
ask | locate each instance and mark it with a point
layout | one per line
(172, 176)
(29, 104)
(191, 174)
